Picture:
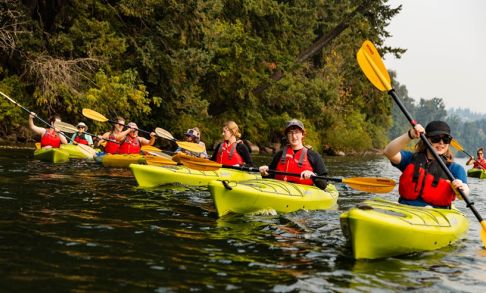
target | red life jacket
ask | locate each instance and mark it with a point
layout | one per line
(228, 155)
(51, 138)
(111, 147)
(425, 179)
(478, 164)
(130, 146)
(81, 138)
(294, 163)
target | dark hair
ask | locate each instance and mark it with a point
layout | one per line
(54, 117)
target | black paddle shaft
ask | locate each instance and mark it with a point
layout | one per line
(424, 139)
(253, 169)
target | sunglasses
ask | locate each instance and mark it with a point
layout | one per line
(79, 127)
(445, 139)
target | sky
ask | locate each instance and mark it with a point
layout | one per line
(446, 51)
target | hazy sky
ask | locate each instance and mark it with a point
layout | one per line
(446, 56)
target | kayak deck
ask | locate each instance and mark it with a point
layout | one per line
(270, 195)
(51, 155)
(476, 173)
(380, 228)
(151, 176)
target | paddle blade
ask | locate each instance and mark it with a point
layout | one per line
(163, 133)
(159, 161)
(190, 146)
(87, 150)
(370, 184)
(91, 114)
(150, 148)
(197, 163)
(455, 144)
(483, 232)
(65, 127)
(373, 67)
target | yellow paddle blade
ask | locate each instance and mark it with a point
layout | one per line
(197, 163)
(159, 161)
(150, 148)
(159, 154)
(455, 144)
(190, 146)
(37, 145)
(91, 114)
(65, 127)
(483, 232)
(372, 65)
(370, 184)
(164, 133)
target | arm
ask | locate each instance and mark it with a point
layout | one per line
(62, 137)
(72, 139)
(215, 153)
(242, 149)
(272, 166)
(461, 177)
(319, 167)
(470, 161)
(90, 140)
(144, 141)
(38, 130)
(392, 150)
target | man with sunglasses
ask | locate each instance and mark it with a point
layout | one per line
(480, 162)
(80, 137)
(423, 182)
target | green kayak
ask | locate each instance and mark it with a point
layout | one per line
(476, 173)
(51, 155)
(270, 196)
(150, 176)
(75, 152)
(380, 228)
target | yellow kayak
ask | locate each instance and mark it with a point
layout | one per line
(122, 160)
(270, 195)
(476, 173)
(51, 155)
(150, 176)
(380, 228)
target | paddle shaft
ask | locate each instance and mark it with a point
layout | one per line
(253, 169)
(424, 139)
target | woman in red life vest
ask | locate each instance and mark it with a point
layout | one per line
(116, 134)
(50, 138)
(480, 162)
(232, 151)
(80, 137)
(132, 143)
(423, 182)
(296, 158)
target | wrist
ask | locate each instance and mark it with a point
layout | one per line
(410, 135)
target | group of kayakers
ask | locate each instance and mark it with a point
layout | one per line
(422, 183)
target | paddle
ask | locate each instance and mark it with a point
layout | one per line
(455, 144)
(87, 150)
(190, 146)
(159, 161)
(69, 128)
(373, 67)
(366, 184)
(155, 152)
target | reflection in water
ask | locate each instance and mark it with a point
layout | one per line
(82, 227)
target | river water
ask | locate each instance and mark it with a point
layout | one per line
(82, 227)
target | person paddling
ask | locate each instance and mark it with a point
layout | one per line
(132, 143)
(80, 137)
(296, 158)
(423, 182)
(480, 162)
(116, 134)
(232, 151)
(194, 135)
(50, 138)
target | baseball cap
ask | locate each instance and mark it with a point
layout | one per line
(436, 128)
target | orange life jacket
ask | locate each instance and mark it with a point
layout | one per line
(228, 155)
(294, 163)
(50, 138)
(425, 179)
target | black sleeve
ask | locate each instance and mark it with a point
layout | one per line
(274, 163)
(319, 167)
(242, 149)
(215, 153)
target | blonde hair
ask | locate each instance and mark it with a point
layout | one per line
(421, 148)
(233, 128)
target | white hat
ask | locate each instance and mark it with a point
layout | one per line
(81, 124)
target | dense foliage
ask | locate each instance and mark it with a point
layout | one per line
(180, 64)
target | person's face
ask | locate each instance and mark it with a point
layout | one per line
(480, 154)
(189, 138)
(227, 133)
(440, 143)
(81, 128)
(119, 125)
(295, 136)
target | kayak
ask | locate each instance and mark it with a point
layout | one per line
(51, 155)
(380, 228)
(476, 173)
(150, 176)
(270, 195)
(121, 160)
(74, 151)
